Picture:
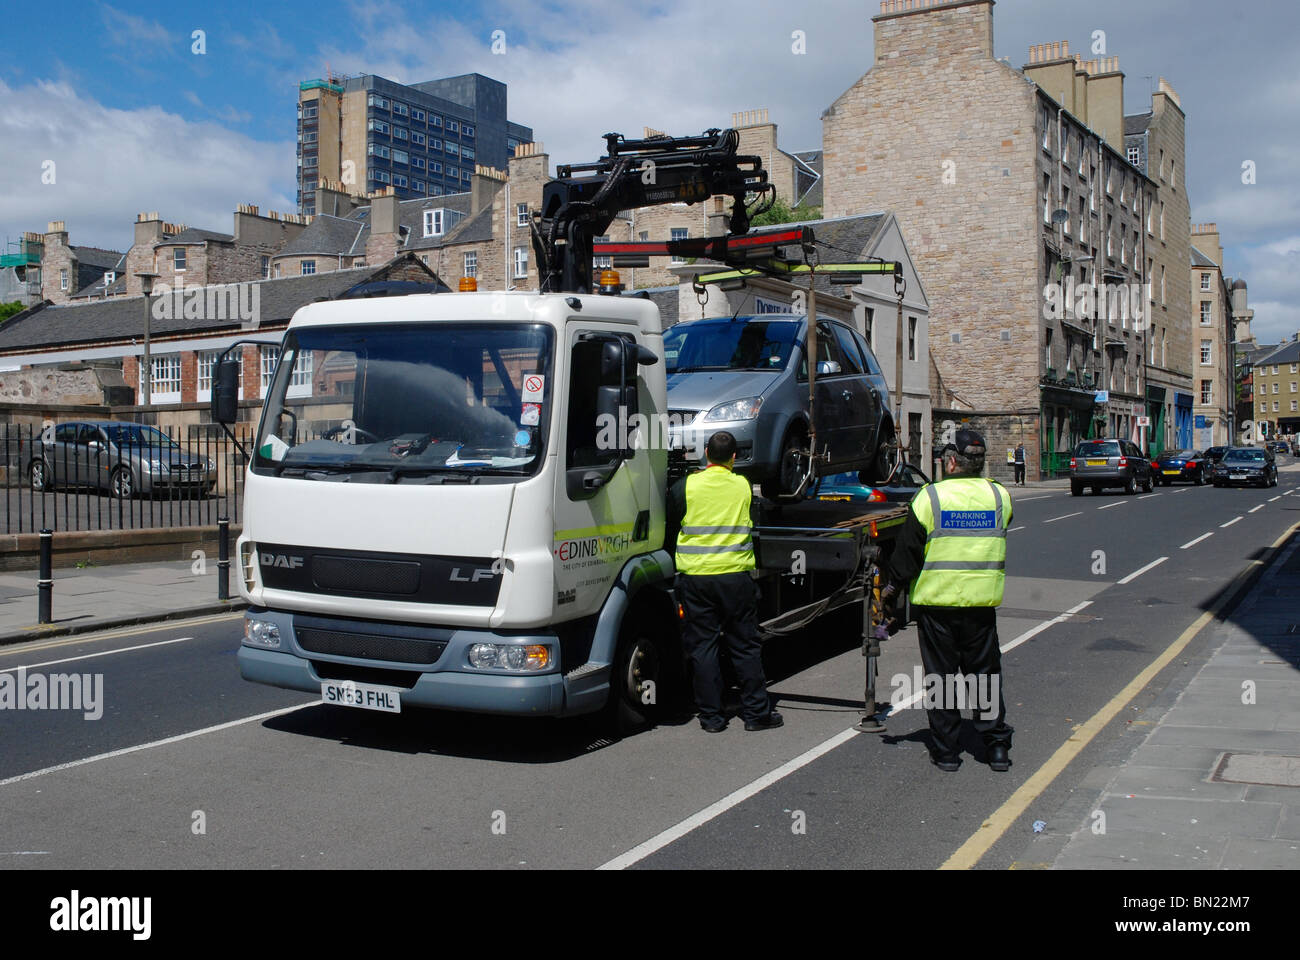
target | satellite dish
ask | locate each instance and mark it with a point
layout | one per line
(1060, 216)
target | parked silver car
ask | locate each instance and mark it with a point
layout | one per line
(123, 458)
(749, 376)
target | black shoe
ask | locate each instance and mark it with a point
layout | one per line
(998, 758)
(946, 764)
(713, 726)
(770, 722)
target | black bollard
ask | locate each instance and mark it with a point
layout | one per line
(223, 558)
(45, 586)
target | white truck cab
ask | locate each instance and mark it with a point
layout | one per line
(458, 515)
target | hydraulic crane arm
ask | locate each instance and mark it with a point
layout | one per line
(639, 173)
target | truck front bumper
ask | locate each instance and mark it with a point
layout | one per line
(440, 685)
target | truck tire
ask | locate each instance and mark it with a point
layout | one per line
(647, 680)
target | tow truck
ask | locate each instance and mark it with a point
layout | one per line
(439, 523)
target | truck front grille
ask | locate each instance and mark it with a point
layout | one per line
(367, 646)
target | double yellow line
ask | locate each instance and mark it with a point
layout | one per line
(992, 829)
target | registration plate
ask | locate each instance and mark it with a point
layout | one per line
(1098, 463)
(1237, 476)
(365, 696)
(1172, 473)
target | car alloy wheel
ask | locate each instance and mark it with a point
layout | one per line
(39, 478)
(121, 483)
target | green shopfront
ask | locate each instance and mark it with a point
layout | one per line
(1069, 415)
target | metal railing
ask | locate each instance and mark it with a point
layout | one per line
(91, 481)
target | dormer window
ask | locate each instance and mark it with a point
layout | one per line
(440, 220)
(109, 279)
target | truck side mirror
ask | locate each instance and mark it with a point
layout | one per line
(618, 406)
(225, 392)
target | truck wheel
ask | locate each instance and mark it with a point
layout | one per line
(647, 680)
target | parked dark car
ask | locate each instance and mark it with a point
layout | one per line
(1099, 464)
(1214, 455)
(1174, 466)
(1278, 446)
(849, 487)
(1249, 466)
(749, 376)
(123, 458)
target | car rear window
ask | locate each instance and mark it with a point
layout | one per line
(1099, 449)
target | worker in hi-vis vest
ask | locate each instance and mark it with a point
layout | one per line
(953, 551)
(715, 563)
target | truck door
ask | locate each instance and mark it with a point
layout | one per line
(602, 495)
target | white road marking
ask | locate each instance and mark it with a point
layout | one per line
(1184, 490)
(156, 743)
(102, 653)
(1260, 507)
(1028, 499)
(1151, 495)
(1014, 529)
(1137, 573)
(1225, 526)
(661, 840)
(1204, 536)
(1112, 506)
(1066, 517)
(677, 831)
(1275, 500)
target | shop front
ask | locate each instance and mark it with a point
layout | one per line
(1067, 419)
(1184, 420)
(1156, 412)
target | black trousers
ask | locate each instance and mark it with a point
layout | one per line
(962, 640)
(1020, 473)
(723, 607)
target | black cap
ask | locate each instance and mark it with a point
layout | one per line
(968, 443)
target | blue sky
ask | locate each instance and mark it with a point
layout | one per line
(135, 120)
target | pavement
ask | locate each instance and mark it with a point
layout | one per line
(102, 598)
(1211, 779)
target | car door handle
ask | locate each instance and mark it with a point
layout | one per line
(847, 395)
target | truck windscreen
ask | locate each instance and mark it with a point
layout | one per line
(401, 402)
(746, 344)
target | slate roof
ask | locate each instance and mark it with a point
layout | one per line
(839, 239)
(666, 299)
(326, 235)
(813, 193)
(1137, 124)
(1201, 260)
(97, 257)
(1285, 353)
(193, 235)
(122, 318)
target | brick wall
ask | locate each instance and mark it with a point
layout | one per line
(1001, 429)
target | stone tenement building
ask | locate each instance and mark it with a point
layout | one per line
(1155, 143)
(976, 159)
(1215, 408)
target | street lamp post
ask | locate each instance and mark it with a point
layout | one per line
(146, 287)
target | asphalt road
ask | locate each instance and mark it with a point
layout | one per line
(330, 787)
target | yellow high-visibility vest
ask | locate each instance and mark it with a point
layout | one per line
(716, 534)
(965, 521)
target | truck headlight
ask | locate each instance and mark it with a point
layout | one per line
(261, 633)
(746, 409)
(509, 656)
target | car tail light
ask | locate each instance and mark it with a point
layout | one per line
(1191, 463)
(1123, 461)
(877, 497)
(1073, 463)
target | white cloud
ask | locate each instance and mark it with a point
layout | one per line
(110, 164)
(123, 29)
